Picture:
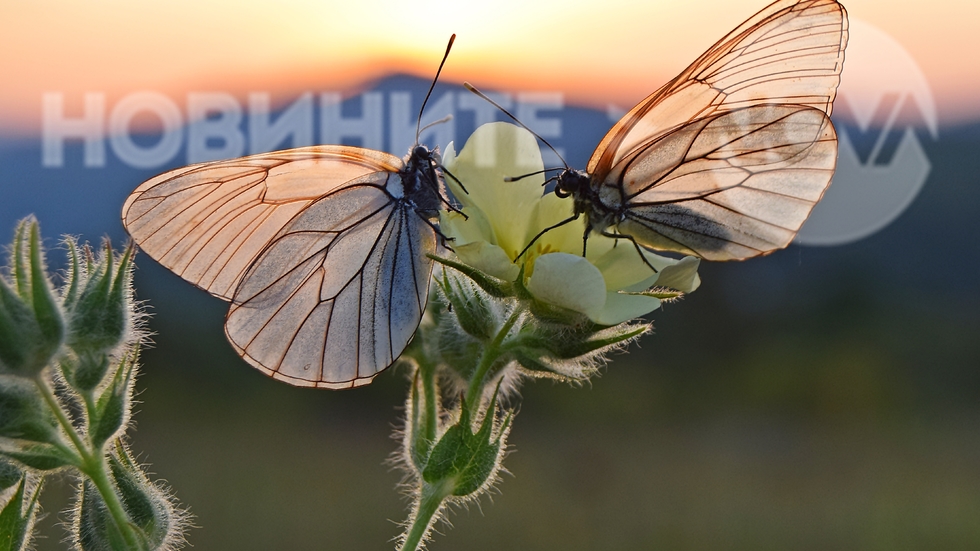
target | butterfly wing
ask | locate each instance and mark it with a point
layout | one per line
(208, 222)
(339, 292)
(728, 187)
(791, 53)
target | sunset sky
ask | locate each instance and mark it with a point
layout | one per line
(617, 53)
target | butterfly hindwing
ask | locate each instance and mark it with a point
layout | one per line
(337, 295)
(731, 186)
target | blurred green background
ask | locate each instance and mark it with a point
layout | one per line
(819, 398)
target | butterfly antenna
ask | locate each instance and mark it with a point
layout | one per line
(418, 126)
(473, 89)
(447, 118)
(522, 176)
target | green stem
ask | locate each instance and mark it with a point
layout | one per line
(97, 473)
(63, 420)
(91, 464)
(429, 389)
(429, 504)
(489, 357)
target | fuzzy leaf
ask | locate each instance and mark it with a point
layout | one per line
(41, 457)
(146, 507)
(96, 530)
(574, 348)
(46, 310)
(110, 411)
(493, 286)
(15, 521)
(75, 275)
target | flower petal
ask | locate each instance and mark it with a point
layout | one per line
(681, 275)
(487, 258)
(568, 281)
(492, 153)
(465, 229)
(620, 308)
(623, 267)
(551, 210)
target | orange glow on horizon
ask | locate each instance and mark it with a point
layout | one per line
(614, 55)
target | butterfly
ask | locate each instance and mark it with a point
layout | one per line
(322, 252)
(726, 160)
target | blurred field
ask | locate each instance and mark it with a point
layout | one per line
(268, 467)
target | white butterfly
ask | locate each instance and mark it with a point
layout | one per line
(726, 160)
(320, 250)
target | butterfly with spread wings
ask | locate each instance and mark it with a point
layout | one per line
(726, 160)
(322, 252)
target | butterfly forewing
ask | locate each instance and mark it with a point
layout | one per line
(731, 186)
(337, 295)
(208, 222)
(790, 53)
(320, 250)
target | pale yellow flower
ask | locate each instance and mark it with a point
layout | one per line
(503, 217)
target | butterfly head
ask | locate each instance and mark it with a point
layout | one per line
(422, 160)
(573, 183)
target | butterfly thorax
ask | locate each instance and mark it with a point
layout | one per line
(577, 184)
(420, 181)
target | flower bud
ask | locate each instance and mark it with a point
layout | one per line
(32, 325)
(23, 413)
(100, 316)
(153, 520)
(112, 407)
(467, 460)
(471, 307)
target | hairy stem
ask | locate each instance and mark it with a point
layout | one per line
(63, 420)
(429, 504)
(489, 357)
(431, 406)
(91, 464)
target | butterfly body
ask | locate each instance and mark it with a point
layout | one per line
(600, 213)
(419, 182)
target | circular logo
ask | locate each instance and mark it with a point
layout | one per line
(884, 108)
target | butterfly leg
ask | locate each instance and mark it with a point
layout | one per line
(636, 246)
(451, 175)
(449, 205)
(443, 239)
(546, 230)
